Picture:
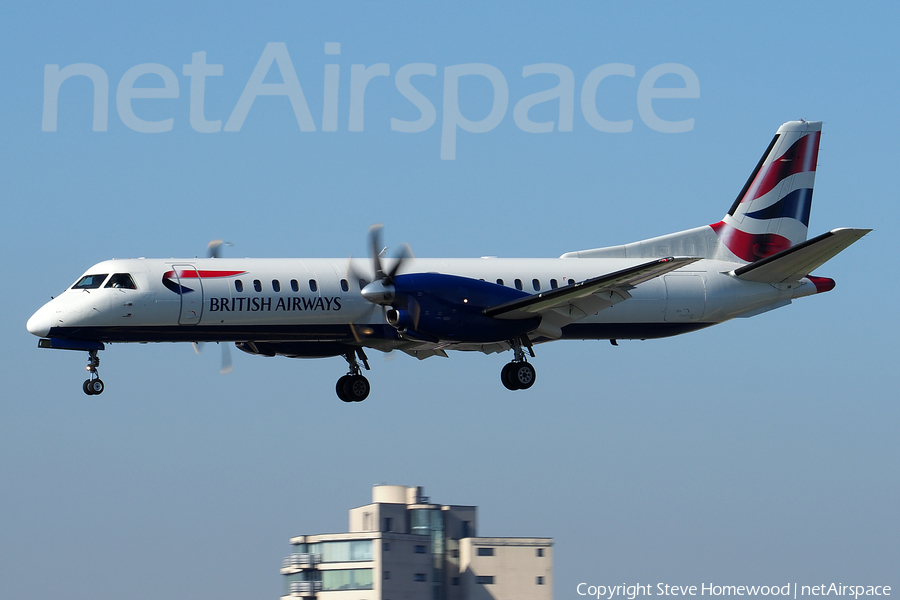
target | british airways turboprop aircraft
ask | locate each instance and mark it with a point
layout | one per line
(755, 259)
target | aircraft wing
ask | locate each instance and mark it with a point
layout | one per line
(799, 261)
(573, 302)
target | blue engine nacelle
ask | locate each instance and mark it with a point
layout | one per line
(436, 307)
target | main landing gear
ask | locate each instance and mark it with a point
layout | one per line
(353, 387)
(93, 386)
(519, 374)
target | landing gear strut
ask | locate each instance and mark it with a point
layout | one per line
(519, 374)
(353, 387)
(93, 386)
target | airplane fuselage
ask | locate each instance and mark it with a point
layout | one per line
(278, 300)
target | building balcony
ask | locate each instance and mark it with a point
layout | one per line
(305, 588)
(302, 561)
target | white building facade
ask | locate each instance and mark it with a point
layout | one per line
(403, 547)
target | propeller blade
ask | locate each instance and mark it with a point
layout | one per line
(404, 254)
(376, 249)
(415, 311)
(226, 358)
(212, 250)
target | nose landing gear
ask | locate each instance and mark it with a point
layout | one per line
(94, 385)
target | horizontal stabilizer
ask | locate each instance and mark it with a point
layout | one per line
(622, 280)
(799, 261)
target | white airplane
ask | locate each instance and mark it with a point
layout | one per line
(755, 259)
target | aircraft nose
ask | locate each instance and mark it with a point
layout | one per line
(39, 323)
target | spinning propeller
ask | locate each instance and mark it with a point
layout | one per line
(213, 251)
(379, 290)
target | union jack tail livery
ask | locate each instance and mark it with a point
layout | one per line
(771, 213)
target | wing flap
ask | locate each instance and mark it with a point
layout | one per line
(588, 292)
(799, 261)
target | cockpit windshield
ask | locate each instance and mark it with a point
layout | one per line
(122, 281)
(90, 282)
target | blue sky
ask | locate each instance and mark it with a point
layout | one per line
(762, 451)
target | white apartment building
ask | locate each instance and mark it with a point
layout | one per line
(403, 547)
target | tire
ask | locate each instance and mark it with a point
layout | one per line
(357, 388)
(85, 387)
(96, 386)
(523, 375)
(506, 377)
(340, 386)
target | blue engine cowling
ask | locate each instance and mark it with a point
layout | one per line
(437, 307)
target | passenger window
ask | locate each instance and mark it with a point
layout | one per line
(571, 281)
(90, 282)
(257, 285)
(276, 285)
(536, 285)
(238, 285)
(519, 284)
(499, 282)
(344, 285)
(294, 285)
(553, 284)
(313, 286)
(122, 281)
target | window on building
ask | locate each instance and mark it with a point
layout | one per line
(485, 552)
(419, 549)
(454, 581)
(386, 546)
(484, 579)
(420, 577)
(388, 523)
(276, 285)
(539, 580)
(539, 552)
(343, 551)
(257, 285)
(386, 575)
(347, 579)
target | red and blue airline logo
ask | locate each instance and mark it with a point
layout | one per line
(175, 281)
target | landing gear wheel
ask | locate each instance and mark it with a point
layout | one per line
(356, 388)
(340, 386)
(93, 387)
(523, 375)
(518, 376)
(505, 377)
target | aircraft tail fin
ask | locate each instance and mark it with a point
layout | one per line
(771, 213)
